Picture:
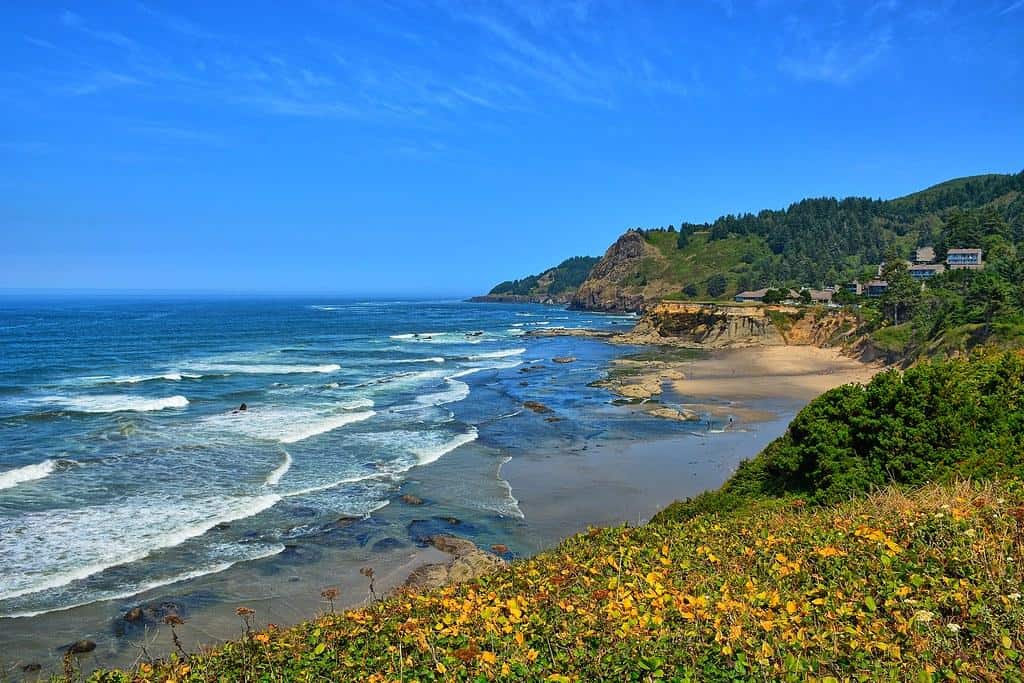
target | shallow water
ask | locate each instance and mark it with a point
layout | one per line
(127, 479)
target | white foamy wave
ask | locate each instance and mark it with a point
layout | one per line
(274, 478)
(428, 454)
(136, 379)
(354, 479)
(285, 425)
(432, 359)
(240, 553)
(94, 538)
(498, 354)
(113, 403)
(511, 506)
(489, 366)
(403, 379)
(356, 404)
(12, 478)
(456, 391)
(473, 337)
(265, 368)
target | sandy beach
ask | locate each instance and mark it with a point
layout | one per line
(800, 372)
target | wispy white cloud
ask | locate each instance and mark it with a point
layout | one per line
(835, 47)
(1012, 7)
(76, 22)
(99, 81)
(39, 42)
(179, 134)
(178, 24)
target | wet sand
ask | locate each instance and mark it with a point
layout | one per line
(628, 482)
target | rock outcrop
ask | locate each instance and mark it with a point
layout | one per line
(468, 562)
(708, 326)
(610, 285)
(716, 326)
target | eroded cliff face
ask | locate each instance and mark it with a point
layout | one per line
(615, 284)
(718, 326)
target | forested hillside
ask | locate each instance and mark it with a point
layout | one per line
(555, 285)
(814, 242)
(826, 240)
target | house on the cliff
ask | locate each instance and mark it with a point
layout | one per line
(924, 255)
(924, 271)
(876, 288)
(751, 295)
(964, 259)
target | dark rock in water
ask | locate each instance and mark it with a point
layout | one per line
(422, 531)
(410, 499)
(293, 553)
(536, 407)
(552, 419)
(386, 544)
(500, 549)
(346, 521)
(223, 526)
(166, 609)
(32, 667)
(564, 359)
(135, 614)
(243, 407)
(80, 647)
(474, 334)
(524, 384)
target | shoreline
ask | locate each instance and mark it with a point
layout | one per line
(561, 489)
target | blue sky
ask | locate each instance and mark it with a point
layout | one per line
(435, 148)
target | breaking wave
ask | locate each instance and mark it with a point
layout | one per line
(20, 475)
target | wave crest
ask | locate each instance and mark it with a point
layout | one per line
(20, 475)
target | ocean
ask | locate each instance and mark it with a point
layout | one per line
(122, 448)
(129, 474)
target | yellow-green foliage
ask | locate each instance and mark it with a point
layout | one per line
(922, 586)
(700, 260)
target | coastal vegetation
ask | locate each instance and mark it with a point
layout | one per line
(825, 242)
(852, 548)
(563, 278)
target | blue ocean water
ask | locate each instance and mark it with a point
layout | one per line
(125, 463)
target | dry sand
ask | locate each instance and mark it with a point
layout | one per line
(798, 372)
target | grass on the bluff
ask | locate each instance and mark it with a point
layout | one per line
(922, 586)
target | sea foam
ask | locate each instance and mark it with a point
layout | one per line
(428, 454)
(274, 478)
(505, 353)
(95, 538)
(115, 403)
(265, 368)
(284, 425)
(239, 553)
(20, 475)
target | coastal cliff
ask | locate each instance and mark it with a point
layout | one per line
(715, 326)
